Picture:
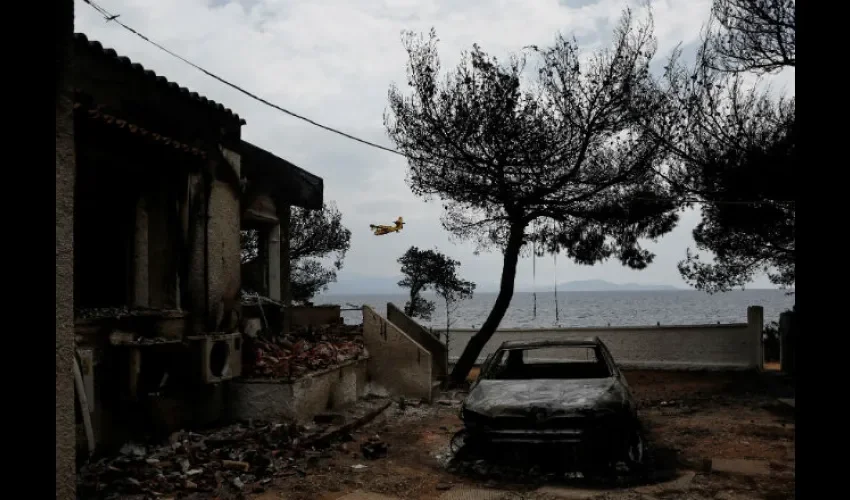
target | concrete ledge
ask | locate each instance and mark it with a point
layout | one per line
(300, 399)
(735, 346)
(397, 362)
(438, 350)
(669, 365)
(603, 329)
(684, 366)
(314, 315)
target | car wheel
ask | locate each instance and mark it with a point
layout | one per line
(596, 461)
(636, 453)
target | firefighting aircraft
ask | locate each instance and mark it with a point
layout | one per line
(380, 230)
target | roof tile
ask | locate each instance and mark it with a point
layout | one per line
(97, 47)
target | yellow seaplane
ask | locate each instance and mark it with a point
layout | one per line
(380, 230)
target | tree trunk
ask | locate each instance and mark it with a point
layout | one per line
(506, 291)
(448, 325)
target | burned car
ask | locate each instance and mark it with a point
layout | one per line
(566, 393)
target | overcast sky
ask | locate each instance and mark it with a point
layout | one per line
(334, 60)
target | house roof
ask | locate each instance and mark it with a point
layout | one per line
(291, 184)
(82, 42)
(98, 115)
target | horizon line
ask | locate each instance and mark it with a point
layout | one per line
(496, 291)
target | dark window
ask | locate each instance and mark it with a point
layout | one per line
(112, 176)
(560, 362)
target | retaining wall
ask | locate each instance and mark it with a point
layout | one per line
(417, 332)
(300, 399)
(674, 347)
(314, 315)
(397, 363)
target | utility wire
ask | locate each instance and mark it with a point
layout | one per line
(110, 17)
(114, 18)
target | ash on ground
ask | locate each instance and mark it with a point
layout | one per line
(226, 462)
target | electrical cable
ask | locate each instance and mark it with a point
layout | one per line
(110, 17)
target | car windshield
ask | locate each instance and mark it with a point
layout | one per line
(550, 362)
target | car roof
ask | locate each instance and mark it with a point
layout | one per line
(534, 344)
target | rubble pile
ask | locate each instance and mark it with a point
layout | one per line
(305, 350)
(118, 312)
(236, 458)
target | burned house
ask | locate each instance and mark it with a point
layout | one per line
(163, 185)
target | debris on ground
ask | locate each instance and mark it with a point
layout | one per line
(422, 463)
(233, 456)
(228, 462)
(307, 349)
(94, 313)
(374, 448)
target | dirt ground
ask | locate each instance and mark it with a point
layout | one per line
(695, 422)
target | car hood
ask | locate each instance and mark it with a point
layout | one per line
(493, 398)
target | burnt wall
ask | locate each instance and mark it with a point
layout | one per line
(224, 254)
(65, 429)
(127, 248)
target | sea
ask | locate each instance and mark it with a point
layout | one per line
(577, 309)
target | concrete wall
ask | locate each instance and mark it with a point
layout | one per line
(396, 362)
(439, 353)
(65, 171)
(285, 273)
(224, 254)
(314, 315)
(787, 340)
(301, 399)
(718, 347)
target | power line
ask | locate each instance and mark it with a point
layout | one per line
(114, 18)
(110, 17)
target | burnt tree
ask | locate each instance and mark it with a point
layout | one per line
(565, 150)
(452, 290)
(758, 36)
(734, 147)
(315, 236)
(431, 270)
(418, 268)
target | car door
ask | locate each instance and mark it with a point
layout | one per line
(618, 375)
(484, 367)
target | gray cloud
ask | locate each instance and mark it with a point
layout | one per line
(333, 60)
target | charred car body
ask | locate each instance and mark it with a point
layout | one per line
(562, 393)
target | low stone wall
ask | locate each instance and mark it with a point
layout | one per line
(438, 350)
(397, 363)
(300, 399)
(314, 315)
(674, 347)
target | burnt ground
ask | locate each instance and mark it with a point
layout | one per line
(695, 423)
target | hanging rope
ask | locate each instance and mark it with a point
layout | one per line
(555, 274)
(534, 275)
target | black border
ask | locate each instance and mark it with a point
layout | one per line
(821, 360)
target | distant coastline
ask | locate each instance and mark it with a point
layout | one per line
(368, 285)
(586, 309)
